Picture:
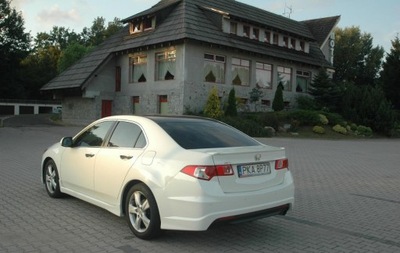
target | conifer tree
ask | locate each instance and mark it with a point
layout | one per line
(277, 104)
(213, 105)
(391, 74)
(325, 92)
(231, 110)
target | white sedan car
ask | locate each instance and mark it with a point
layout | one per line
(170, 173)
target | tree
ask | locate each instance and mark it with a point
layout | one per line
(231, 110)
(70, 55)
(277, 104)
(39, 68)
(325, 92)
(355, 59)
(368, 106)
(390, 75)
(14, 46)
(59, 37)
(255, 95)
(213, 105)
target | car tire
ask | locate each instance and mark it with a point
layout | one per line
(141, 212)
(52, 180)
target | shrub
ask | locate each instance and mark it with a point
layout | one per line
(305, 117)
(247, 126)
(277, 104)
(294, 126)
(339, 129)
(306, 103)
(213, 105)
(318, 129)
(334, 119)
(324, 120)
(231, 109)
(271, 119)
(363, 131)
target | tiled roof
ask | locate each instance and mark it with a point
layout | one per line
(195, 20)
(322, 27)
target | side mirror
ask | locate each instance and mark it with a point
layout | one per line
(66, 142)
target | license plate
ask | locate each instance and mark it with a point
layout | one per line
(254, 169)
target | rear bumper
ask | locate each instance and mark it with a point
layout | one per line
(279, 210)
(197, 208)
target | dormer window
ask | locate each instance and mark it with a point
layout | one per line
(302, 46)
(285, 41)
(292, 43)
(267, 37)
(233, 28)
(275, 39)
(135, 28)
(138, 26)
(256, 34)
(246, 31)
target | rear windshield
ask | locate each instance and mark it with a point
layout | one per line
(199, 133)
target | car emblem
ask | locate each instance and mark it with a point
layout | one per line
(257, 157)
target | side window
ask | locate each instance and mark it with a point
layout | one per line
(94, 136)
(127, 135)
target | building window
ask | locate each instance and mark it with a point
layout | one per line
(233, 28)
(117, 78)
(214, 68)
(163, 104)
(285, 78)
(166, 65)
(240, 72)
(292, 44)
(136, 105)
(246, 31)
(256, 34)
(266, 103)
(141, 26)
(264, 75)
(135, 28)
(138, 68)
(147, 24)
(302, 46)
(285, 41)
(267, 38)
(275, 39)
(303, 79)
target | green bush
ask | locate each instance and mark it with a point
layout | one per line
(334, 119)
(231, 109)
(305, 117)
(271, 119)
(306, 103)
(318, 129)
(353, 127)
(213, 105)
(324, 120)
(363, 131)
(247, 126)
(339, 129)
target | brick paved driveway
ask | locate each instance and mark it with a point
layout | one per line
(347, 200)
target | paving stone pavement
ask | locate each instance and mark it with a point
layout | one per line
(347, 200)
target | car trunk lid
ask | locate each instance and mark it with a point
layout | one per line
(253, 167)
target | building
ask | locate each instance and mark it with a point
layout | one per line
(167, 58)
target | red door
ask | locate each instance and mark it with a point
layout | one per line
(106, 106)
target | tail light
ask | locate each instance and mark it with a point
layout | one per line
(208, 172)
(282, 164)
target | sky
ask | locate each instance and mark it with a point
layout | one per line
(381, 18)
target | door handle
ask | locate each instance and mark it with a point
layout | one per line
(89, 155)
(125, 157)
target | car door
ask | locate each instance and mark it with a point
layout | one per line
(113, 161)
(77, 162)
